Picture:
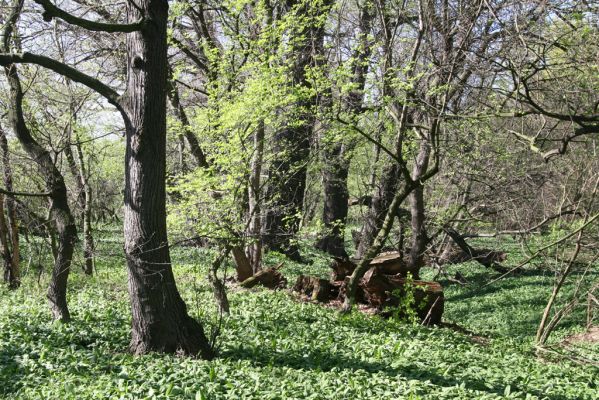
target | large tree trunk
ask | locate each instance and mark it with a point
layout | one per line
(334, 214)
(160, 320)
(336, 162)
(59, 206)
(291, 148)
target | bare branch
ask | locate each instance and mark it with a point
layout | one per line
(24, 194)
(51, 11)
(65, 70)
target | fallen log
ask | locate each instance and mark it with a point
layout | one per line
(270, 278)
(389, 263)
(486, 257)
(316, 289)
(341, 269)
(386, 292)
(428, 296)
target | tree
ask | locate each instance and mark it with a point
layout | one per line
(291, 145)
(160, 320)
(336, 154)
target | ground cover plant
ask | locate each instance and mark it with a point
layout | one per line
(273, 346)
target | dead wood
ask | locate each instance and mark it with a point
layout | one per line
(486, 257)
(270, 278)
(242, 264)
(316, 289)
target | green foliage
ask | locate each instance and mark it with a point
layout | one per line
(407, 310)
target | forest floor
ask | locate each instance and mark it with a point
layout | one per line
(274, 347)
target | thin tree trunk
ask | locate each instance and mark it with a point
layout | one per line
(160, 321)
(194, 145)
(88, 239)
(14, 276)
(4, 245)
(59, 206)
(419, 236)
(381, 200)
(254, 249)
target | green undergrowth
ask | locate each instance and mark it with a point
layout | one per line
(273, 347)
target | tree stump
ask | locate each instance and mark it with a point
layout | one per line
(315, 288)
(270, 278)
(390, 263)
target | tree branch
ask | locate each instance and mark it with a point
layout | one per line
(63, 69)
(25, 194)
(51, 11)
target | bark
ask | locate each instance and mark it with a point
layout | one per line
(242, 264)
(59, 206)
(160, 321)
(179, 111)
(254, 249)
(381, 200)
(14, 274)
(80, 191)
(77, 167)
(270, 278)
(291, 147)
(4, 245)
(218, 287)
(419, 236)
(336, 162)
(88, 239)
(316, 289)
(336, 195)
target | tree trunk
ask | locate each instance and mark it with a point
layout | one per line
(160, 321)
(336, 195)
(88, 239)
(336, 162)
(5, 245)
(254, 249)
(291, 149)
(179, 111)
(381, 200)
(419, 236)
(59, 205)
(14, 275)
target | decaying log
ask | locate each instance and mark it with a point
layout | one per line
(390, 263)
(341, 268)
(377, 288)
(316, 289)
(486, 257)
(428, 296)
(382, 288)
(242, 264)
(270, 278)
